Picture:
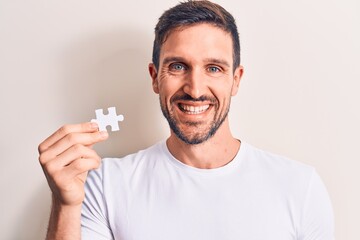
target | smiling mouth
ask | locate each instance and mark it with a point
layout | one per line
(190, 109)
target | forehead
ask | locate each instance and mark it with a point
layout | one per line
(198, 41)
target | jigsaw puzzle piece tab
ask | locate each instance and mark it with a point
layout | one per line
(111, 119)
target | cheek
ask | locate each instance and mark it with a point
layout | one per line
(221, 90)
(169, 85)
(163, 81)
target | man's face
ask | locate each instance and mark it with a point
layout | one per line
(195, 81)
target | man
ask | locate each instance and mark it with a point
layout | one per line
(201, 183)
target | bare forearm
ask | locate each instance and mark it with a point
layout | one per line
(64, 223)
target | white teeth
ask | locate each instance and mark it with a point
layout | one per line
(194, 109)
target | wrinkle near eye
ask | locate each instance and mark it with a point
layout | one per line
(166, 72)
(174, 69)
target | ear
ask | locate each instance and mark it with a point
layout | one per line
(153, 75)
(237, 77)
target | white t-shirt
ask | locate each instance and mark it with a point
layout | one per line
(151, 195)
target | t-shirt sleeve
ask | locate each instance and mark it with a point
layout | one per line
(317, 221)
(94, 217)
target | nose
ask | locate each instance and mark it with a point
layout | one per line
(195, 85)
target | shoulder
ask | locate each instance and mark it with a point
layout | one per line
(279, 173)
(297, 184)
(143, 159)
(144, 156)
(270, 162)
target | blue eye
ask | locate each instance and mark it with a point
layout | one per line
(177, 67)
(213, 69)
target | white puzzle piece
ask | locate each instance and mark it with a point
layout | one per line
(111, 119)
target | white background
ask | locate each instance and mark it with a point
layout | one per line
(60, 60)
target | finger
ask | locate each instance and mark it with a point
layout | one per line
(87, 127)
(80, 166)
(61, 180)
(70, 140)
(66, 158)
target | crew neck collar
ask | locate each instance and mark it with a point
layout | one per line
(229, 167)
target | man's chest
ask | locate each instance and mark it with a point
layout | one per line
(196, 211)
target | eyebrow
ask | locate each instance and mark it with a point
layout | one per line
(173, 59)
(219, 61)
(208, 60)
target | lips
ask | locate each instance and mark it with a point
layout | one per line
(191, 109)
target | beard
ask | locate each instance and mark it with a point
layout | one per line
(201, 135)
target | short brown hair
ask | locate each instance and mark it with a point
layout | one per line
(194, 12)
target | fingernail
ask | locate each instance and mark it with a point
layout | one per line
(104, 134)
(94, 125)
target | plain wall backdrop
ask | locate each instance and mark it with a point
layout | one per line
(61, 60)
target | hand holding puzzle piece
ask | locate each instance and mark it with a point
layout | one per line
(111, 119)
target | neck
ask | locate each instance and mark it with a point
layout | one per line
(215, 152)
